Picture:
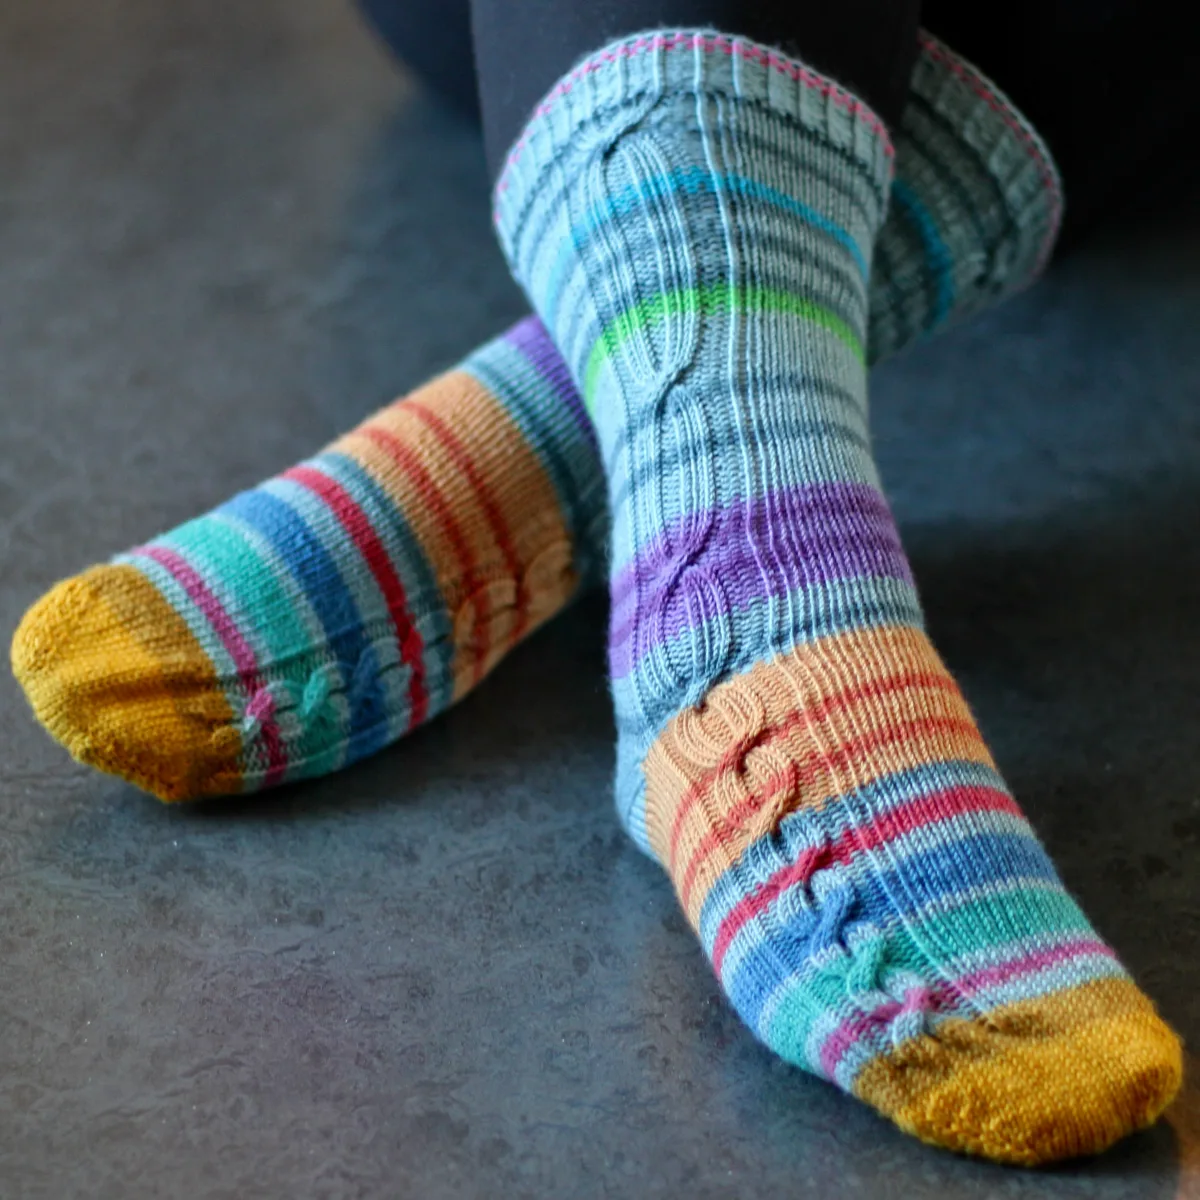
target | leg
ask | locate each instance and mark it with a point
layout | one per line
(693, 217)
(1108, 123)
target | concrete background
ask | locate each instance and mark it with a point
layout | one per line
(226, 233)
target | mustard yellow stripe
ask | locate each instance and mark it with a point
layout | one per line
(115, 675)
(1060, 1076)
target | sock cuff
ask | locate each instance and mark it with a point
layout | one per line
(657, 63)
(1005, 140)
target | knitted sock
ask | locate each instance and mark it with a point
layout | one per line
(692, 217)
(315, 619)
(129, 684)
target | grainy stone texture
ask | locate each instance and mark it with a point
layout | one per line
(226, 233)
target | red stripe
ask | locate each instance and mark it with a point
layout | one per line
(239, 649)
(358, 526)
(500, 529)
(913, 814)
(835, 703)
(430, 494)
(831, 761)
(800, 872)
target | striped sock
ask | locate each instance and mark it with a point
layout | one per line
(165, 683)
(693, 217)
(311, 621)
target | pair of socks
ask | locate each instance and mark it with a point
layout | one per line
(700, 226)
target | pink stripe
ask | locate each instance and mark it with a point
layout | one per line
(918, 813)
(990, 976)
(710, 45)
(849, 1032)
(240, 651)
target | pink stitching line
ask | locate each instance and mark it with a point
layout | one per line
(945, 55)
(710, 45)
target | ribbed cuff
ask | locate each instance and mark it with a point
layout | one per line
(1000, 134)
(657, 63)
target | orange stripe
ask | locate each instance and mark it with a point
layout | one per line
(840, 702)
(431, 495)
(724, 834)
(499, 526)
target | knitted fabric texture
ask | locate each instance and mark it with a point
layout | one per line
(980, 210)
(318, 617)
(693, 217)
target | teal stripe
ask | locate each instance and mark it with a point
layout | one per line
(315, 754)
(938, 259)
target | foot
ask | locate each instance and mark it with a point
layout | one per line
(320, 616)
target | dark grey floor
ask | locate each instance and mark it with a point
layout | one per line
(226, 232)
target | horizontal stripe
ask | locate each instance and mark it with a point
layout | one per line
(317, 573)
(534, 343)
(769, 547)
(939, 262)
(851, 1031)
(557, 437)
(707, 301)
(687, 181)
(756, 978)
(921, 812)
(359, 530)
(238, 648)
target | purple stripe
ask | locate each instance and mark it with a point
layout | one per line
(810, 536)
(531, 339)
(239, 650)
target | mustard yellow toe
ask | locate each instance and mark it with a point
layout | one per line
(114, 674)
(1048, 1079)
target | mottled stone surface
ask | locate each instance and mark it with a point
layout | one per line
(226, 233)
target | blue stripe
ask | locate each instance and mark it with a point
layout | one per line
(426, 603)
(566, 453)
(938, 258)
(689, 181)
(882, 898)
(315, 571)
(800, 830)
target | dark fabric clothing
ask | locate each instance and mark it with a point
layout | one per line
(522, 47)
(1109, 83)
(434, 40)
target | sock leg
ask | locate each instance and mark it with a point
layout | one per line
(693, 218)
(522, 48)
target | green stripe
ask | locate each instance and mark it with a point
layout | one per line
(707, 301)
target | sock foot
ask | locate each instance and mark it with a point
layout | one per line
(1060, 1077)
(316, 618)
(879, 912)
